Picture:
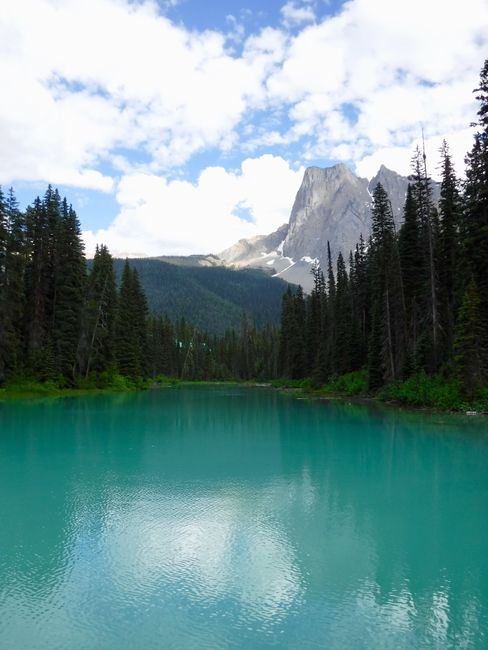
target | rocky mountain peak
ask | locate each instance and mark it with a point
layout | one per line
(332, 205)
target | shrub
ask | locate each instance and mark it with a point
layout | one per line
(424, 390)
(352, 383)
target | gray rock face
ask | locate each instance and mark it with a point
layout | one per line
(332, 205)
(245, 250)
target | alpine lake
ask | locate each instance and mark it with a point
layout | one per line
(240, 518)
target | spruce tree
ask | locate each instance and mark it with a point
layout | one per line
(314, 320)
(4, 324)
(330, 319)
(343, 318)
(387, 342)
(429, 335)
(450, 211)
(476, 198)
(70, 277)
(131, 347)
(37, 289)
(470, 342)
(413, 266)
(99, 318)
(15, 291)
(360, 306)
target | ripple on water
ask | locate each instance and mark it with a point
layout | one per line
(182, 523)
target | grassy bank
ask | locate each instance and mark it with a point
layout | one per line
(22, 387)
(418, 391)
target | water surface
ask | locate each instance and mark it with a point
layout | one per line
(215, 518)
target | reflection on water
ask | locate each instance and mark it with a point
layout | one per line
(217, 518)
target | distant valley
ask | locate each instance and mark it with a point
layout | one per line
(211, 296)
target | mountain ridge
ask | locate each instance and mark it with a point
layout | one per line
(332, 205)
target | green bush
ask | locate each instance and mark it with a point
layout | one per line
(352, 383)
(22, 385)
(424, 390)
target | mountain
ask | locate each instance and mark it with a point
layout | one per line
(214, 298)
(213, 291)
(332, 205)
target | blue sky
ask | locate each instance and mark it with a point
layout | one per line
(180, 126)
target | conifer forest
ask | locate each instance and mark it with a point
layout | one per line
(402, 304)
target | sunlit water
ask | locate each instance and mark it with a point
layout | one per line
(214, 518)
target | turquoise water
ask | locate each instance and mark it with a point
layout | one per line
(214, 518)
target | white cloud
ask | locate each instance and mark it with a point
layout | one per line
(158, 216)
(399, 158)
(87, 78)
(367, 80)
(295, 13)
(108, 94)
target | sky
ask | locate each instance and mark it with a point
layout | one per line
(177, 127)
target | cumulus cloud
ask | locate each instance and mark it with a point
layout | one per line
(364, 82)
(86, 78)
(295, 13)
(176, 217)
(114, 96)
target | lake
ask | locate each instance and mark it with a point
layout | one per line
(221, 517)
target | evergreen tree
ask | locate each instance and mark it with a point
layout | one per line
(299, 361)
(387, 340)
(330, 319)
(15, 290)
(360, 305)
(70, 277)
(97, 349)
(413, 266)
(476, 199)
(292, 356)
(4, 324)
(470, 344)
(343, 319)
(429, 335)
(314, 319)
(450, 210)
(130, 326)
(37, 291)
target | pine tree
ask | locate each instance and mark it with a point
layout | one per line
(131, 347)
(97, 349)
(4, 324)
(140, 315)
(387, 342)
(412, 263)
(343, 318)
(470, 343)
(429, 335)
(450, 210)
(360, 305)
(292, 355)
(36, 285)
(126, 348)
(476, 199)
(15, 290)
(330, 319)
(314, 319)
(70, 277)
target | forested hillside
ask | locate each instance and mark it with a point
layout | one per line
(212, 298)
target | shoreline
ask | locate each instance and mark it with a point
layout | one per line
(37, 391)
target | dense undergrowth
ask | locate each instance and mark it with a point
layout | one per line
(418, 391)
